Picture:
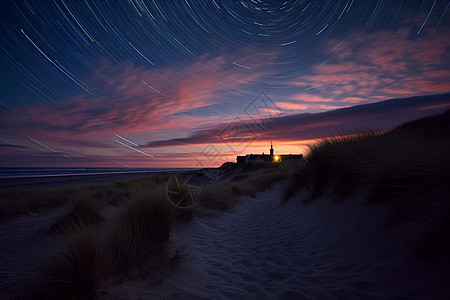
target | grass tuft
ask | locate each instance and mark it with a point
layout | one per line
(74, 272)
(142, 232)
(85, 211)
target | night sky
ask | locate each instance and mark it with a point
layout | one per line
(192, 83)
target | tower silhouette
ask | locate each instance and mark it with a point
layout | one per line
(271, 148)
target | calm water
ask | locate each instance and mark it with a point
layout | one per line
(40, 172)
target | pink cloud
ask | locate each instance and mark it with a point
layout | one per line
(311, 98)
(380, 65)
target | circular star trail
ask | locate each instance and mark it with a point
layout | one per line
(157, 70)
(49, 48)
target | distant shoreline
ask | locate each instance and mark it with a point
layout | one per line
(59, 171)
(49, 181)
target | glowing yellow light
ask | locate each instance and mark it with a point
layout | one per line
(276, 158)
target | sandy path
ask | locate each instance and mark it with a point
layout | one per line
(320, 250)
(262, 250)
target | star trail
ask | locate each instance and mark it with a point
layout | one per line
(84, 78)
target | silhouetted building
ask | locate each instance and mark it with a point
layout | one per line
(267, 157)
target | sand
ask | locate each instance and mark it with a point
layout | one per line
(321, 250)
(265, 250)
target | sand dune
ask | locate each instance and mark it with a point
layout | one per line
(321, 250)
(264, 250)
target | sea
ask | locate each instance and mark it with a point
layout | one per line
(47, 172)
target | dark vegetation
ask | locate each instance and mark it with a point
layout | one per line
(84, 258)
(15, 203)
(141, 234)
(243, 180)
(73, 271)
(407, 168)
(85, 211)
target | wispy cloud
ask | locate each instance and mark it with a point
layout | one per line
(133, 100)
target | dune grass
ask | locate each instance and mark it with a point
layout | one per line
(218, 196)
(74, 271)
(85, 211)
(393, 167)
(17, 203)
(406, 167)
(262, 179)
(84, 259)
(141, 234)
(251, 179)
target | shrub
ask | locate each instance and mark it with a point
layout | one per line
(15, 203)
(394, 166)
(74, 272)
(218, 195)
(141, 234)
(84, 212)
(223, 195)
(253, 183)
